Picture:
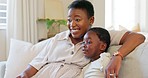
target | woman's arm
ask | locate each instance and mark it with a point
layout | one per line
(129, 42)
(29, 72)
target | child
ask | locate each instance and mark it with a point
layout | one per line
(95, 44)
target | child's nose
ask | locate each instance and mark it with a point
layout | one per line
(84, 45)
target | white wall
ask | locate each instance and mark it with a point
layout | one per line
(99, 6)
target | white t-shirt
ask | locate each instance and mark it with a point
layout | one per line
(96, 69)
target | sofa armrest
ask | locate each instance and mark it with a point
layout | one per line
(2, 68)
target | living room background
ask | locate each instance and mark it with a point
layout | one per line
(100, 20)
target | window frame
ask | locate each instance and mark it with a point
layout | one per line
(111, 15)
(4, 25)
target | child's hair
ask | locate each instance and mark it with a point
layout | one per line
(84, 5)
(102, 34)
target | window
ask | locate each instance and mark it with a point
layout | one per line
(3, 14)
(121, 13)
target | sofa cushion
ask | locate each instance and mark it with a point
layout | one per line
(20, 54)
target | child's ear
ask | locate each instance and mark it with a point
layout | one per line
(103, 46)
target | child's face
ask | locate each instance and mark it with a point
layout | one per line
(92, 46)
(78, 22)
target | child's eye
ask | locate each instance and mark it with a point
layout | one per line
(89, 42)
(84, 42)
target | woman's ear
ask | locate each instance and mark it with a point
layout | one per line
(91, 20)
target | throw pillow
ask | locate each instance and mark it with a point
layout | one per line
(20, 54)
(136, 28)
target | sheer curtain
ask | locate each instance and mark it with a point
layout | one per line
(126, 14)
(144, 15)
(22, 16)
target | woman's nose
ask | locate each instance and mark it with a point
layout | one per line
(72, 24)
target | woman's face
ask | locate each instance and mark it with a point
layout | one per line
(92, 45)
(78, 22)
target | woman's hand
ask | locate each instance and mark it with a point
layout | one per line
(23, 75)
(28, 73)
(113, 67)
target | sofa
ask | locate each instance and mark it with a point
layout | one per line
(134, 65)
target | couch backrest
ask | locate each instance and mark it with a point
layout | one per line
(134, 65)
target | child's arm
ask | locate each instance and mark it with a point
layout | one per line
(29, 72)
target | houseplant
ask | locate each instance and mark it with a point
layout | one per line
(54, 26)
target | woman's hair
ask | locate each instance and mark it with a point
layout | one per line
(84, 5)
(102, 34)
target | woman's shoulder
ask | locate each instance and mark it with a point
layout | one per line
(62, 35)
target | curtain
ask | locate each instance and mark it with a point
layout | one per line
(122, 14)
(144, 15)
(127, 14)
(22, 16)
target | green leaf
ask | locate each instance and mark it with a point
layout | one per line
(49, 23)
(62, 22)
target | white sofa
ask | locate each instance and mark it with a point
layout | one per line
(135, 65)
(2, 68)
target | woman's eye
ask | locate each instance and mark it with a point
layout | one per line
(77, 20)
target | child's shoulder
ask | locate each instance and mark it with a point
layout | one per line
(102, 62)
(97, 67)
